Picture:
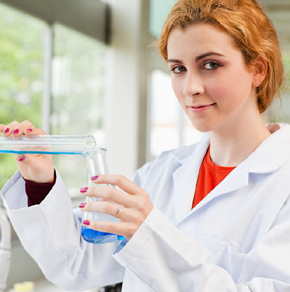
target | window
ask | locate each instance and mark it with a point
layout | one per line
(21, 67)
(159, 10)
(77, 97)
(75, 93)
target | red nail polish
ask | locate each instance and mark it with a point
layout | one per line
(29, 130)
(6, 130)
(82, 205)
(22, 158)
(94, 177)
(86, 222)
(84, 190)
(15, 131)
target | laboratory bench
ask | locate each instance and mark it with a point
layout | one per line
(43, 285)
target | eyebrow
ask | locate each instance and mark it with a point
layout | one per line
(206, 55)
(197, 58)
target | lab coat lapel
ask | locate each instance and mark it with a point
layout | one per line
(185, 178)
(237, 179)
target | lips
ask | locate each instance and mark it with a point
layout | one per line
(200, 108)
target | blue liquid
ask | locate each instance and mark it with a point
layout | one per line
(95, 236)
(39, 152)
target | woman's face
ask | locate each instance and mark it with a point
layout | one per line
(209, 78)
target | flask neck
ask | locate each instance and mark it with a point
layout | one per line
(95, 162)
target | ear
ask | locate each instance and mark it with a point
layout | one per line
(259, 67)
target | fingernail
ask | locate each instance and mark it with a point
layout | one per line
(21, 158)
(15, 131)
(94, 177)
(86, 222)
(82, 205)
(29, 130)
(6, 130)
(84, 190)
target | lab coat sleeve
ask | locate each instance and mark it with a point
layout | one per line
(167, 260)
(50, 232)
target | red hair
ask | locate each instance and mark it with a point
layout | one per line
(250, 29)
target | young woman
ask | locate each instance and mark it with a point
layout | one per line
(213, 216)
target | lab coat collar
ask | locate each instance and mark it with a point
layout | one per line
(268, 157)
(190, 158)
(272, 152)
(183, 154)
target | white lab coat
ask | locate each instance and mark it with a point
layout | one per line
(236, 239)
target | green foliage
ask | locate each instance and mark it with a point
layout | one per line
(21, 69)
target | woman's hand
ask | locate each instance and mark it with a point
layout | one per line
(35, 167)
(135, 201)
(272, 128)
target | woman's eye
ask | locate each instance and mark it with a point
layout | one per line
(178, 69)
(211, 65)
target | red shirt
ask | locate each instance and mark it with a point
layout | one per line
(210, 175)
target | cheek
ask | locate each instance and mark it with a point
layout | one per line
(177, 89)
(218, 89)
(230, 89)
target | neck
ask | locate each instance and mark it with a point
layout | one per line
(231, 145)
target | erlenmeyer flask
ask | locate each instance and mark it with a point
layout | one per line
(95, 161)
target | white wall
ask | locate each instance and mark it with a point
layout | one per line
(126, 86)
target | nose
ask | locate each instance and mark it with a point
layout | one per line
(193, 85)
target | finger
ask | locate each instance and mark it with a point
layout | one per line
(2, 128)
(36, 167)
(111, 194)
(272, 128)
(122, 182)
(34, 131)
(20, 157)
(8, 129)
(110, 227)
(110, 208)
(25, 126)
(25, 159)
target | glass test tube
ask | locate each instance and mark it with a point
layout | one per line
(47, 144)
